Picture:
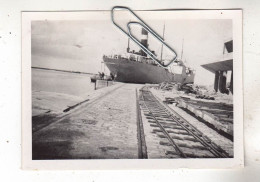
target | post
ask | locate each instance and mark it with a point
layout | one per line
(216, 81)
(95, 84)
(231, 83)
(107, 83)
(222, 82)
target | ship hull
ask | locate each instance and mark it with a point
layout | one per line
(136, 72)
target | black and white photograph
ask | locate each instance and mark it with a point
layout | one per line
(125, 84)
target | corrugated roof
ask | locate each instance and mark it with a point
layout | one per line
(219, 66)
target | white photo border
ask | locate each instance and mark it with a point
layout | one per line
(93, 164)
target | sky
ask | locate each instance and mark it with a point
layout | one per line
(79, 45)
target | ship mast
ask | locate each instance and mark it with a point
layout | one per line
(128, 43)
(182, 48)
(163, 39)
(128, 48)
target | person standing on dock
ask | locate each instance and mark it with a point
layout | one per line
(112, 76)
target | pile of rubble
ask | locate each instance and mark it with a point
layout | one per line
(199, 92)
(172, 86)
(169, 86)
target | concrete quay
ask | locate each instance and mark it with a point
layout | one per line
(112, 124)
(102, 128)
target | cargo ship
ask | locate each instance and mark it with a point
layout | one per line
(137, 67)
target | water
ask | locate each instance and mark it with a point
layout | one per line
(61, 82)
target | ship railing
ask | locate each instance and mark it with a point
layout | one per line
(103, 83)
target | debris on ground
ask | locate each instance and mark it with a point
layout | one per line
(192, 90)
(169, 100)
(204, 97)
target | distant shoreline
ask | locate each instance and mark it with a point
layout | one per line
(78, 72)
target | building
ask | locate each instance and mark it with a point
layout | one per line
(222, 69)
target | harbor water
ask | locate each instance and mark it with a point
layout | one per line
(61, 82)
(53, 91)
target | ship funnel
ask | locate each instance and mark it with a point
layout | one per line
(144, 41)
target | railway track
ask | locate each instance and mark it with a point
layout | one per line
(186, 141)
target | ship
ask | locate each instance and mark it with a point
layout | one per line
(137, 67)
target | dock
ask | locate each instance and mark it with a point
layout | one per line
(130, 121)
(97, 129)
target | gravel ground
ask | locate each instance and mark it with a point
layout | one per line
(103, 128)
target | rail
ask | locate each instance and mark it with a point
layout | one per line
(183, 137)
